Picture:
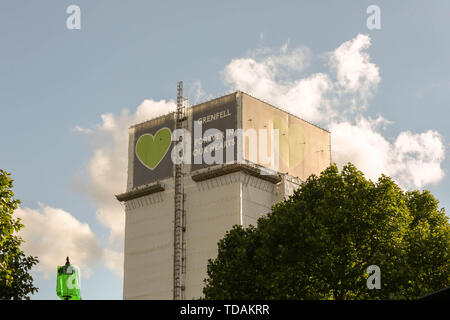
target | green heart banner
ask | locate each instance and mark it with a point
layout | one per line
(151, 149)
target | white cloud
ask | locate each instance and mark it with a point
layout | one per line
(352, 65)
(414, 160)
(417, 158)
(51, 234)
(336, 99)
(149, 109)
(83, 130)
(197, 94)
(269, 77)
(114, 261)
(271, 74)
(360, 144)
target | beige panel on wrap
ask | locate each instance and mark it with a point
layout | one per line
(304, 148)
(148, 252)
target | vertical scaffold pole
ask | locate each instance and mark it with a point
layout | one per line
(179, 259)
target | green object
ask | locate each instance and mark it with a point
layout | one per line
(16, 282)
(68, 282)
(150, 149)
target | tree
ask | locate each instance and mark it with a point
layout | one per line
(319, 242)
(15, 281)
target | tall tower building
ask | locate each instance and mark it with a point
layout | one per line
(242, 156)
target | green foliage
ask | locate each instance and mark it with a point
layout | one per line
(15, 281)
(318, 244)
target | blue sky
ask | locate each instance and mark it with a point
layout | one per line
(54, 80)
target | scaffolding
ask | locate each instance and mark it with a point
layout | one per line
(179, 253)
